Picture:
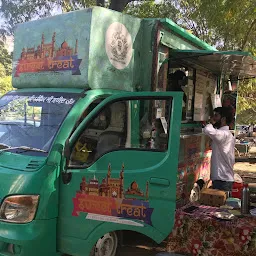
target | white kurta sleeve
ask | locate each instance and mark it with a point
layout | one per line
(214, 134)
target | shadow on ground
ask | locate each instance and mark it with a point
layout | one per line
(139, 245)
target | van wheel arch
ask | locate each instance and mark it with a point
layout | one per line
(111, 241)
(104, 228)
(123, 236)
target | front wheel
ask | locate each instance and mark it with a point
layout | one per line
(106, 245)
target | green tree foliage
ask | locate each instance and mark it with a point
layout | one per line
(226, 24)
(5, 70)
(229, 24)
(5, 84)
(151, 9)
(5, 81)
(18, 11)
(246, 107)
(5, 59)
(2, 70)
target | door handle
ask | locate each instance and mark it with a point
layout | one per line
(159, 181)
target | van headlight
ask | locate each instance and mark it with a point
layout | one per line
(19, 209)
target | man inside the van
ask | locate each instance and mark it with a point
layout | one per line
(223, 146)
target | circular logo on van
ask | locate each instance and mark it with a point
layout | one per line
(118, 45)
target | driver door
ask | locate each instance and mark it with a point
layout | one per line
(123, 168)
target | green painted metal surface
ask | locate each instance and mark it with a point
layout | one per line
(9, 161)
(140, 166)
(38, 237)
(32, 236)
(53, 52)
(73, 51)
(186, 35)
(114, 50)
(148, 30)
(173, 41)
(45, 182)
(42, 182)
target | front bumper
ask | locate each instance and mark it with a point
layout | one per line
(35, 238)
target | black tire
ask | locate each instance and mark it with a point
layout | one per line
(107, 245)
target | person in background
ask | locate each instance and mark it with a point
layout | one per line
(250, 130)
(176, 82)
(223, 146)
(178, 79)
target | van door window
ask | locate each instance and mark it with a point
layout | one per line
(88, 110)
(132, 124)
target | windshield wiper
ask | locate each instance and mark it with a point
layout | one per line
(4, 146)
(23, 148)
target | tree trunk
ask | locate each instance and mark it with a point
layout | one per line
(101, 3)
(247, 35)
(119, 5)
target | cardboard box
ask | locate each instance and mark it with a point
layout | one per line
(213, 197)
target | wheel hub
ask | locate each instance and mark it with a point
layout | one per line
(106, 245)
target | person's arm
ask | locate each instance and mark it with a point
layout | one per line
(213, 133)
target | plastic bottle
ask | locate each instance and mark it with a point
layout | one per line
(152, 143)
(245, 204)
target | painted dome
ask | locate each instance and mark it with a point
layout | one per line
(134, 186)
(64, 45)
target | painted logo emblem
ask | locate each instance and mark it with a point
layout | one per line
(109, 198)
(118, 45)
(48, 57)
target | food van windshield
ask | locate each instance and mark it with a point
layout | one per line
(30, 121)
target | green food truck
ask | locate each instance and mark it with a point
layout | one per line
(102, 133)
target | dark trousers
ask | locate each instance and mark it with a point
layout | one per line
(222, 185)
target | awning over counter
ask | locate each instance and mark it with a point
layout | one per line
(230, 63)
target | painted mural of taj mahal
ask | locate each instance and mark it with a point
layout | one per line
(48, 50)
(112, 187)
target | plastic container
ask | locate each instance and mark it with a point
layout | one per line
(237, 190)
(234, 203)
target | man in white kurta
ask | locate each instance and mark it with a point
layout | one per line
(223, 146)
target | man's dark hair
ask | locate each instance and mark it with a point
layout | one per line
(173, 80)
(225, 112)
(179, 75)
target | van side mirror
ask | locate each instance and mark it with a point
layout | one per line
(66, 177)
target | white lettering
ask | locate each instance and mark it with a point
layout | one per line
(40, 98)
